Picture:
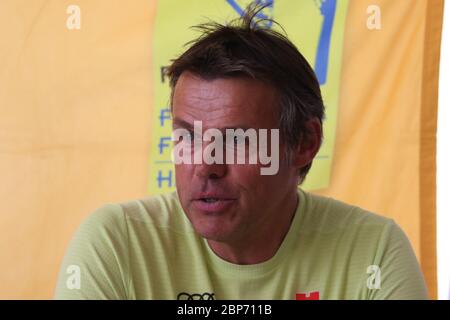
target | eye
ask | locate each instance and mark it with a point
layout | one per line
(239, 140)
(188, 135)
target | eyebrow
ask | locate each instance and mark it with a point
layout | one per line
(181, 123)
(177, 122)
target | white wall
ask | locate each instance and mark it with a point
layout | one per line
(443, 164)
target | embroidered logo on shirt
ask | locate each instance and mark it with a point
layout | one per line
(313, 295)
(195, 296)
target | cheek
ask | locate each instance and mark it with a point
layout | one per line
(249, 179)
(183, 177)
(256, 185)
(182, 170)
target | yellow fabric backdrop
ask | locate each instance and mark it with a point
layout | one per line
(75, 111)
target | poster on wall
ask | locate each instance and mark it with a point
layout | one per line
(316, 27)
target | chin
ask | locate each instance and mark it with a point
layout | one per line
(211, 231)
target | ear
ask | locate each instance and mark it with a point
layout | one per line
(310, 144)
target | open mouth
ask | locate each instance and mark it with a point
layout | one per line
(210, 200)
(210, 204)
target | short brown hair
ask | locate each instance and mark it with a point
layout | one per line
(242, 48)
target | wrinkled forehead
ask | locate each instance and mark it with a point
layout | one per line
(225, 101)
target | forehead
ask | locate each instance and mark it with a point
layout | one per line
(225, 101)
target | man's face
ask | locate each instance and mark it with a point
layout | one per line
(242, 201)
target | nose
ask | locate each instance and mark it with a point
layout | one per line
(210, 171)
(208, 168)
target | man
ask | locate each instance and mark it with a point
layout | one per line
(230, 231)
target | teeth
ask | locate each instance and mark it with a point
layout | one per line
(209, 200)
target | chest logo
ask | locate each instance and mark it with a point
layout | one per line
(195, 296)
(313, 295)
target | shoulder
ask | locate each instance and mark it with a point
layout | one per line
(367, 240)
(115, 241)
(113, 225)
(103, 230)
(330, 215)
(160, 210)
(107, 215)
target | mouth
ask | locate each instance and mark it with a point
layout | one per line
(213, 204)
(211, 200)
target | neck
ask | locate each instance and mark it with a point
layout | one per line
(256, 246)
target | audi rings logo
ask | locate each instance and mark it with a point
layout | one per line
(195, 296)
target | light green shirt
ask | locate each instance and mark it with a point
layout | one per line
(148, 249)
